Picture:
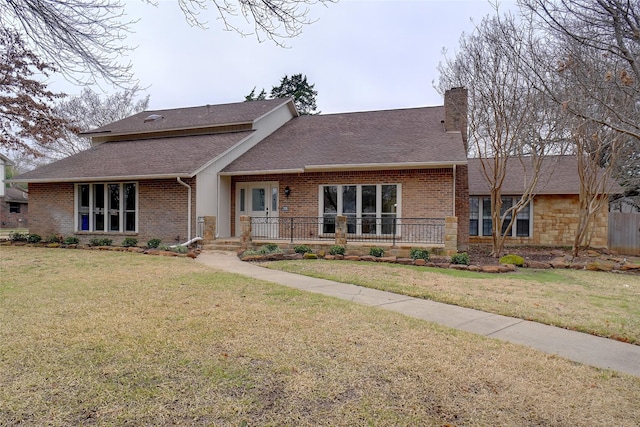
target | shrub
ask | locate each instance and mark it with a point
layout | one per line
(54, 238)
(71, 240)
(129, 242)
(269, 248)
(512, 259)
(462, 258)
(178, 249)
(376, 252)
(100, 242)
(302, 249)
(16, 236)
(309, 255)
(419, 254)
(336, 250)
(34, 238)
(153, 243)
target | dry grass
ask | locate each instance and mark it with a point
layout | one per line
(603, 304)
(106, 338)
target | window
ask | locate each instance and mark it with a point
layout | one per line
(481, 208)
(474, 211)
(14, 207)
(111, 207)
(370, 209)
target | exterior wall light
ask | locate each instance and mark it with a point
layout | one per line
(287, 191)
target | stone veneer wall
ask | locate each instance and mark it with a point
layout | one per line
(555, 218)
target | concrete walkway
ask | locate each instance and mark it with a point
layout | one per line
(576, 346)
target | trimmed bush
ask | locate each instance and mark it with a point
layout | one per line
(16, 236)
(71, 240)
(336, 250)
(512, 259)
(54, 238)
(269, 248)
(153, 243)
(419, 254)
(309, 255)
(129, 242)
(34, 238)
(462, 258)
(302, 249)
(376, 252)
(100, 242)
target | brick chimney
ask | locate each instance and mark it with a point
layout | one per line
(455, 112)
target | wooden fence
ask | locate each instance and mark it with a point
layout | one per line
(624, 233)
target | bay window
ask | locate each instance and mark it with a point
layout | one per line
(369, 208)
(107, 207)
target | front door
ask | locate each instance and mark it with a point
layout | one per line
(262, 200)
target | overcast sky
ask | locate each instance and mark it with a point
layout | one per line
(360, 54)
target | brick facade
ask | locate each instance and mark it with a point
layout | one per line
(426, 193)
(162, 212)
(13, 219)
(555, 219)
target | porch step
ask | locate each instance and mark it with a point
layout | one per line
(222, 245)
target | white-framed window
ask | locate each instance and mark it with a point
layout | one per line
(107, 207)
(480, 217)
(369, 208)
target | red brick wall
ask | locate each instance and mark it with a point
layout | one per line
(162, 212)
(162, 208)
(51, 209)
(462, 207)
(426, 193)
(12, 219)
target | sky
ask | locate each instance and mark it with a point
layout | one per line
(361, 55)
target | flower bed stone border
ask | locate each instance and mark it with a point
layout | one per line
(610, 265)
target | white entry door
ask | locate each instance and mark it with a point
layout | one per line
(263, 209)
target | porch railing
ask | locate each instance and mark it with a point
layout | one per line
(359, 229)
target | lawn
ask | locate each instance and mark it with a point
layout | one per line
(111, 338)
(604, 304)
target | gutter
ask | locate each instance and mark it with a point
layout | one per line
(188, 210)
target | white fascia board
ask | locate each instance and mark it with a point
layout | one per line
(381, 166)
(103, 178)
(146, 132)
(264, 172)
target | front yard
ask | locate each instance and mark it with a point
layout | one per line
(603, 304)
(116, 338)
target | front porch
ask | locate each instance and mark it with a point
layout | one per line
(355, 234)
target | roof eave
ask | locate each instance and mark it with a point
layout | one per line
(102, 178)
(349, 167)
(381, 166)
(180, 129)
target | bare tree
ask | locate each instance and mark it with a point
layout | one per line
(85, 39)
(26, 112)
(89, 111)
(604, 31)
(592, 71)
(509, 120)
(595, 148)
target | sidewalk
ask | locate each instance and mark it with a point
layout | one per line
(576, 346)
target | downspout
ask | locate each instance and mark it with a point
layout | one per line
(188, 207)
(217, 205)
(454, 190)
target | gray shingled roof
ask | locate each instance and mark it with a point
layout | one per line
(189, 118)
(165, 157)
(559, 175)
(15, 195)
(394, 137)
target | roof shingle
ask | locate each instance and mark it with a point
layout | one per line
(391, 137)
(189, 118)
